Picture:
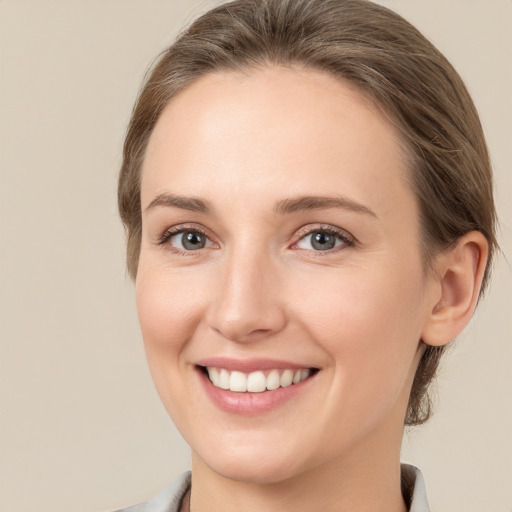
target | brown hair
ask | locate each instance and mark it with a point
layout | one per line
(387, 59)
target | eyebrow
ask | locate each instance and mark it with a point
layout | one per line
(283, 207)
(286, 206)
(192, 204)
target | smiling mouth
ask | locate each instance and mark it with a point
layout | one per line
(257, 381)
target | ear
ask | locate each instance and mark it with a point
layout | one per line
(457, 278)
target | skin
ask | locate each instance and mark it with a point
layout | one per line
(258, 289)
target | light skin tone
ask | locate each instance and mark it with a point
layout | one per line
(303, 247)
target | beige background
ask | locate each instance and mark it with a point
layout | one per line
(81, 426)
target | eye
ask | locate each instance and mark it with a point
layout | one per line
(323, 240)
(187, 240)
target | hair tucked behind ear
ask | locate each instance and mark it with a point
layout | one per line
(390, 62)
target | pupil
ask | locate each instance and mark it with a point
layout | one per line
(323, 241)
(193, 240)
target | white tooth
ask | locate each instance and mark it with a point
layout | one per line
(256, 382)
(273, 380)
(286, 379)
(213, 374)
(224, 379)
(238, 382)
(296, 377)
(304, 374)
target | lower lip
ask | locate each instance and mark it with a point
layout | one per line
(250, 403)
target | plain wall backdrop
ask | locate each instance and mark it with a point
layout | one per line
(81, 426)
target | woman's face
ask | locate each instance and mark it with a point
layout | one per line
(280, 241)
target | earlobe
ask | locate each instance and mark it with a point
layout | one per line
(458, 274)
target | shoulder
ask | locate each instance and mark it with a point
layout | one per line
(167, 500)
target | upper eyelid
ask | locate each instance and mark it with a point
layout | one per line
(181, 228)
(312, 228)
(297, 235)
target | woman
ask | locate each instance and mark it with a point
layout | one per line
(308, 201)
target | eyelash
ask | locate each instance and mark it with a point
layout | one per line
(345, 237)
(176, 230)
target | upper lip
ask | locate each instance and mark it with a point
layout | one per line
(249, 365)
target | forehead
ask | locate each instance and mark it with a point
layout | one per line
(270, 131)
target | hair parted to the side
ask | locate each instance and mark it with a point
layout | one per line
(389, 61)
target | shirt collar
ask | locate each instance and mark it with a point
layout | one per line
(418, 496)
(169, 499)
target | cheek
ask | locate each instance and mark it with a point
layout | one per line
(168, 312)
(369, 305)
(166, 307)
(370, 325)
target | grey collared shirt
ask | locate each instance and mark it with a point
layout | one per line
(169, 499)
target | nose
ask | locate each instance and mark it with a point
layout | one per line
(247, 305)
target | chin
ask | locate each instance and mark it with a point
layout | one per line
(255, 472)
(253, 464)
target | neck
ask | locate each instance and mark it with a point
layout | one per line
(356, 483)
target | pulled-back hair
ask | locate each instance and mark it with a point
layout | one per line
(390, 62)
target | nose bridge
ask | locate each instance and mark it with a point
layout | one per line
(247, 304)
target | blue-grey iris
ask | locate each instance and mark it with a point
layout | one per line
(192, 240)
(322, 241)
